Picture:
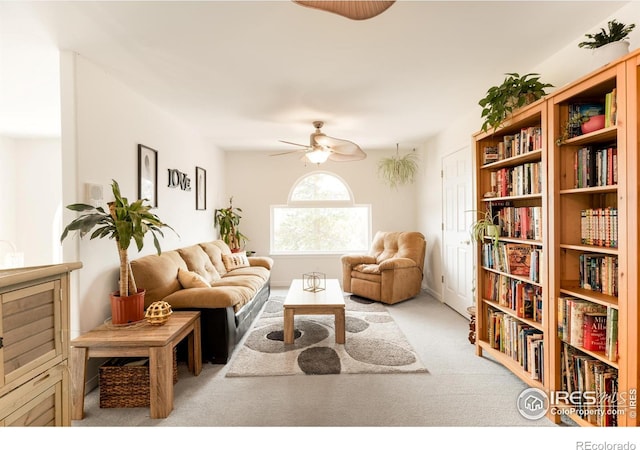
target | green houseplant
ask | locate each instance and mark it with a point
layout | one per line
(515, 92)
(125, 222)
(397, 170)
(615, 32)
(485, 226)
(228, 220)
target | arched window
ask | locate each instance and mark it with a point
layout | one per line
(320, 217)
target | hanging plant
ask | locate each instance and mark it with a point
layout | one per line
(397, 170)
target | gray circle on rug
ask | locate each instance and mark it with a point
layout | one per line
(378, 352)
(310, 333)
(355, 303)
(319, 361)
(273, 308)
(378, 318)
(355, 324)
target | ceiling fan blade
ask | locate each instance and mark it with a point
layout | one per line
(341, 157)
(287, 153)
(356, 10)
(341, 146)
(293, 143)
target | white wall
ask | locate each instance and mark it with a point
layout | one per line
(8, 189)
(31, 198)
(104, 121)
(257, 180)
(567, 65)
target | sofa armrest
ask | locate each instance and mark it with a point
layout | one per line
(262, 261)
(396, 263)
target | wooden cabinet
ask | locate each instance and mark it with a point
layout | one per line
(34, 346)
(589, 249)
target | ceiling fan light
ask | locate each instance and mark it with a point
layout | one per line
(317, 156)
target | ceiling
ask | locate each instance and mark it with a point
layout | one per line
(247, 74)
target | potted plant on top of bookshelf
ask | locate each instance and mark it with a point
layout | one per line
(486, 226)
(124, 222)
(228, 219)
(609, 44)
(515, 92)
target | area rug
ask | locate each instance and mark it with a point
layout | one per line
(374, 344)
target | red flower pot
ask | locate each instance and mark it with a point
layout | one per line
(127, 310)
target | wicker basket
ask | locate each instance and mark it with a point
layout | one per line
(127, 386)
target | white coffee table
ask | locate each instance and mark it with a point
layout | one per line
(328, 301)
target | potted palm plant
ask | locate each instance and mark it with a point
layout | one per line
(515, 92)
(125, 222)
(228, 220)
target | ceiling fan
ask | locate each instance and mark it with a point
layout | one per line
(322, 147)
(356, 10)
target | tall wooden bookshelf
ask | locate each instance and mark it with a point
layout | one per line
(590, 248)
(511, 299)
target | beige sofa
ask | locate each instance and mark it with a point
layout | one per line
(391, 272)
(229, 290)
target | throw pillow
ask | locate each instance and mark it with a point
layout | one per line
(235, 261)
(191, 279)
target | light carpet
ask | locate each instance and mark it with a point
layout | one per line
(374, 344)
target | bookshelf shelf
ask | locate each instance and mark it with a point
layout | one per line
(586, 196)
(513, 313)
(510, 364)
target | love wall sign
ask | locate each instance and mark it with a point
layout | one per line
(179, 179)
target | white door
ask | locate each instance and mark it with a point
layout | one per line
(457, 245)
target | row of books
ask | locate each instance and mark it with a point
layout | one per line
(599, 226)
(523, 179)
(599, 402)
(525, 141)
(599, 273)
(611, 108)
(524, 298)
(513, 258)
(517, 340)
(524, 222)
(596, 166)
(588, 325)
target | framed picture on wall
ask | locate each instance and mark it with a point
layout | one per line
(148, 174)
(201, 188)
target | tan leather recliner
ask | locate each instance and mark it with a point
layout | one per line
(391, 272)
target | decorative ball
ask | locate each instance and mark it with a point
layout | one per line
(158, 313)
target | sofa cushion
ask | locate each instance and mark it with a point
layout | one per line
(211, 297)
(256, 271)
(190, 280)
(215, 256)
(198, 261)
(367, 268)
(235, 261)
(158, 275)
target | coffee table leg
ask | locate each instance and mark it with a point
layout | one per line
(78, 373)
(288, 325)
(340, 326)
(161, 381)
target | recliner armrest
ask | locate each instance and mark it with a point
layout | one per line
(397, 263)
(354, 260)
